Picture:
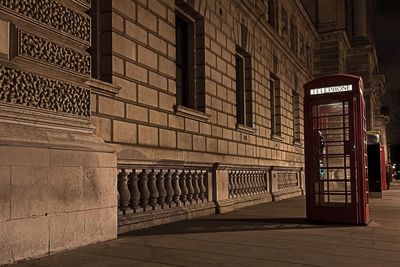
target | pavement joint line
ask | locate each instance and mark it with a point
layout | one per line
(280, 248)
(130, 259)
(230, 255)
(256, 258)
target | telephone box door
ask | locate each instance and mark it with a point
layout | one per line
(333, 177)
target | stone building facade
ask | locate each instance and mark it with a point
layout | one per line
(346, 44)
(118, 115)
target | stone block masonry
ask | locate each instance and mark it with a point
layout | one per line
(157, 137)
(143, 59)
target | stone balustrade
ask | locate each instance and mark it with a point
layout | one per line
(247, 182)
(151, 194)
(287, 179)
(146, 189)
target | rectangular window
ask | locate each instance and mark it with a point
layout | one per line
(243, 89)
(190, 59)
(284, 22)
(296, 116)
(272, 13)
(275, 103)
(185, 40)
(293, 36)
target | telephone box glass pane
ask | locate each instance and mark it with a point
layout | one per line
(331, 135)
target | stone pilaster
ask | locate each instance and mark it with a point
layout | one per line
(58, 179)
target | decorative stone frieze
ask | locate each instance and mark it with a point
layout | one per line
(19, 87)
(39, 49)
(50, 13)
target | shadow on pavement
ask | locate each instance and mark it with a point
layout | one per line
(216, 225)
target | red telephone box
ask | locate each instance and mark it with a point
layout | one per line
(335, 150)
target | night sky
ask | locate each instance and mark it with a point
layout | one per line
(387, 34)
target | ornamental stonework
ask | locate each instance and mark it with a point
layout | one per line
(38, 49)
(27, 89)
(51, 14)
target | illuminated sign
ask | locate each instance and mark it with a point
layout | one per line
(331, 89)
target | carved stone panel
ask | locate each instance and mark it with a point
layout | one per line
(51, 14)
(39, 49)
(32, 90)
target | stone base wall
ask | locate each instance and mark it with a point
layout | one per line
(54, 195)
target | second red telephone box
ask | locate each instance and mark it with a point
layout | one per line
(335, 150)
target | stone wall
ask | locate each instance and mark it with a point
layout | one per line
(57, 178)
(143, 118)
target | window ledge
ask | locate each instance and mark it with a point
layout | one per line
(277, 137)
(245, 129)
(103, 88)
(298, 143)
(191, 113)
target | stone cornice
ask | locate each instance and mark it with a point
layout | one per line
(103, 88)
(301, 12)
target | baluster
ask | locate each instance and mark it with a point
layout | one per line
(206, 185)
(183, 186)
(144, 190)
(169, 188)
(123, 190)
(263, 185)
(235, 178)
(253, 184)
(246, 183)
(134, 189)
(249, 176)
(153, 189)
(196, 186)
(240, 183)
(177, 189)
(189, 184)
(202, 177)
(161, 188)
(230, 187)
(265, 182)
(259, 182)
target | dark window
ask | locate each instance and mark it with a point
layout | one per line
(309, 57)
(296, 116)
(284, 22)
(243, 89)
(296, 111)
(185, 90)
(275, 103)
(302, 48)
(293, 35)
(190, 57)
(272, 13)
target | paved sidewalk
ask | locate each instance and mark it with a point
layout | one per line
(272, 234)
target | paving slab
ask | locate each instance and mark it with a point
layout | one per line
(270, 234)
